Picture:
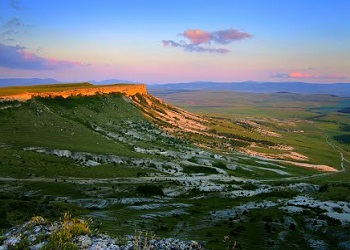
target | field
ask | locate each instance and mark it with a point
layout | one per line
(141, 164)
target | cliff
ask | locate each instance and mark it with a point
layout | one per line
(127, 89)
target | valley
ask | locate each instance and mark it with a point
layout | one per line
(265, 170)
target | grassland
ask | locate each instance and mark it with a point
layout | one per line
(4, 91)
(14, 90)
(103, 157)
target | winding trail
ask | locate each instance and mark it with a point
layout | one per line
(338, 149)
(335, 148)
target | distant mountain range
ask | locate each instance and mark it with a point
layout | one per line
(338, 89)
(34, 81)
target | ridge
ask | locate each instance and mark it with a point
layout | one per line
(66, 90)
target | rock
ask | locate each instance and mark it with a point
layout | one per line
(35, 228)
(91, 163)
(38, 246)
(62, 153)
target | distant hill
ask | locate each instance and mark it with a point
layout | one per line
(26, 81)
(338, 89)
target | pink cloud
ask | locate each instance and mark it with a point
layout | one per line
(297, 74)
(303, 75)
(197, 37)
(16, 57)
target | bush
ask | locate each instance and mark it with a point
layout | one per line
(71, 227)
(344, 139)
(219, 164)
(3, 218)
(150, 190)
(193, 160)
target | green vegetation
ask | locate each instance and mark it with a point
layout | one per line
(345, 110)
(62, 238)
(4, 91)
(198, 169)
(149, 190)
(344, 139)
(100, 157)
(55, 124)
(43, 88)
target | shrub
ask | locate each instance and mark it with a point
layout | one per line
(193, 160)
(143, 241)
(71, 227)
(219, 164)
(3, 218)
(150, 190)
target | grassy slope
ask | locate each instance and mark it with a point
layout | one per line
(65, 123)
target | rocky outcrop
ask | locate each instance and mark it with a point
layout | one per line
(38, 233)
(127, 89)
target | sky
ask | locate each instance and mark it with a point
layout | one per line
(176, 41)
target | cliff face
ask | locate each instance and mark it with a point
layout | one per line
(128, 90)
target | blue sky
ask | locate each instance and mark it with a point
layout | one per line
(174, 41)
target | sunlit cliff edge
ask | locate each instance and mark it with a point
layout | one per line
(66, 90)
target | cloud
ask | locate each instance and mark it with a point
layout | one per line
(198, 37)
(297, 74)
(7, 33)
(303, 75)
(230, 35)
(16, 4)
(16, 57)
(13, 23)
(170, 43)
(9, 40)
(10, 29)
(194, 47)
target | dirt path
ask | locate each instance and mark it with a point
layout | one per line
(336, 148)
